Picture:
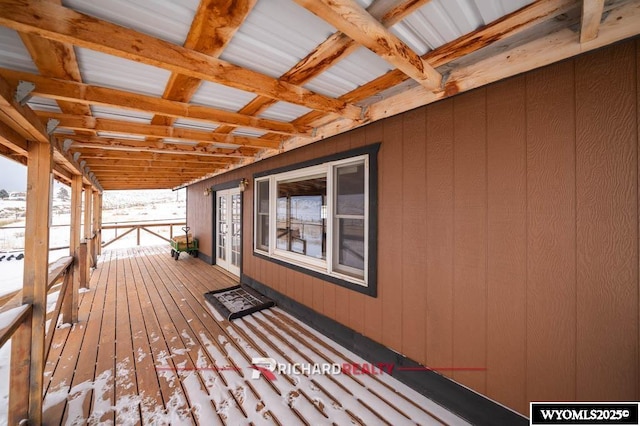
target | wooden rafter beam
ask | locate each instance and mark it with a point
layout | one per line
(86, 153)
(13, 140)
(163, 181)
(68, 26)
(156, 146)
(591, 16)
(126, 127)
(20, 117)
(55, 59)
(25, 122)
(354, 21)
(511, 25)
(622, 22)
(213, 26)
(72, 92)
(508, 26)
(335, 48)
(99, 164)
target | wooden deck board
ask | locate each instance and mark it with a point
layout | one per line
(149, 351)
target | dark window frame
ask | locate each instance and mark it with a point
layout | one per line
(371, 289)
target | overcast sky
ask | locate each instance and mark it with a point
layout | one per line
(13, 176)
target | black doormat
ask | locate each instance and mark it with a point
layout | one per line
(235, 302)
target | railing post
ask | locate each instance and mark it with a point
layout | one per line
(94, 250)
(138, 236)
(70, 301)
(99, 220)
(83, 266)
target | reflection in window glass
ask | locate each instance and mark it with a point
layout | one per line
(349, 220)
(350, 190)
(262, 220)
(300, 224)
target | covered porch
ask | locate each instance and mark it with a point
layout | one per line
(147, 348)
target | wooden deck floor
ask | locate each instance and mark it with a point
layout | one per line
(148, 350)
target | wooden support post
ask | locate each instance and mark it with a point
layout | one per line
(99, 217)
(95, 225)
(70, 303)
(74, 238)
(87, 231)
(27, 347)
(82, 265)
(138, 235)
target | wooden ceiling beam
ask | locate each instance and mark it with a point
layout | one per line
(621, 23)
(55, 59)
(20, 117)
(176, 180)
(151, 156)
(156, 146)
(13, 140)
(591, 17)
(96, 95)
(68, 26)
(127, 127)
(334, 49)
(213, 26)
(25, 122)
(508, 26)
(147, 175)
(351, 19)
(97, 165)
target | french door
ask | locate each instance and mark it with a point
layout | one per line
(228, 229)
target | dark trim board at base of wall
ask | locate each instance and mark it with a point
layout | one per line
(207, 259)
(475, 408)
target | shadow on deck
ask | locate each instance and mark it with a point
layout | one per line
(148, 349)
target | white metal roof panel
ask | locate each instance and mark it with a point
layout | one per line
(219, 96)
(43, 104)
(13, 53)
(243, 131)
(284, 111)
(494, 9)
(194, 124)
(167, 20)
(441, 21)
(355, 70)
(100, 111)
(111, 71)
(276, 35)
(226, 146)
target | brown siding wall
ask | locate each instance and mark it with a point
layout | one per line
(508, 234)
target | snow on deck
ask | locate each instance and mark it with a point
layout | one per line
(148, 349)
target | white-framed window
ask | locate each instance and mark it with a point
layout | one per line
(317, 218)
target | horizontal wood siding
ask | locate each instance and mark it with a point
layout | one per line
(508, 234)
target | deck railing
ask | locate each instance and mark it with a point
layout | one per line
(16, 319)
(139, 226)
(11, 233)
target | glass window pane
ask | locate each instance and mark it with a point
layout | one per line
(262, 222)
(301, 224)
(350, 247)
(263, 197)
(350, 189)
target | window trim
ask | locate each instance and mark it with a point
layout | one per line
(302, 263)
